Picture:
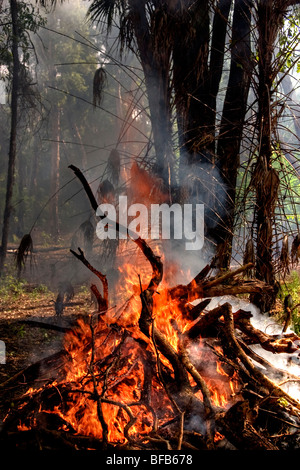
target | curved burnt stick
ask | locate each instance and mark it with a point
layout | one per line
(85, 185)
(163, 345)
(194, 312)
(205, 323)
(181, 386)
(95, 271)
(160, 343)
(154, 260)
(180, 362)
(102, 306)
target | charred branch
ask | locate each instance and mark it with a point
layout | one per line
(102, 277)
(275, 345)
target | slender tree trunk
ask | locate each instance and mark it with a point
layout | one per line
(84, 159)
(265, 179)
(13, 134)
(34, 169)
(155, 61)
(195, 109)
(55, 163)
(197, 77)
(218, 42)
(191, 81)
(22, 185)
(231, 128)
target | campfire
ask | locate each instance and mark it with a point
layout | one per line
(170, 367)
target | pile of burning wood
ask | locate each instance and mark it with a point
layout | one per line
(163, 371)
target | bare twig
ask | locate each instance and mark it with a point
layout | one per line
(95, 271)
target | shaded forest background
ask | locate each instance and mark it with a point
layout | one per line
(203, 95)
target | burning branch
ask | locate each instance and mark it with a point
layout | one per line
(148, 381)
(96, 394)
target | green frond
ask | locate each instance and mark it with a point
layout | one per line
(104, 10)
(25, 248)
(98, 85)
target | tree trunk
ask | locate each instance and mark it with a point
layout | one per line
(13, 133)
(197, 84)
(231, 129)
(265, 179)
(190, 69)
(22, 186)
(33, 179)
(55, 162)
(156, 65)
(195, 110)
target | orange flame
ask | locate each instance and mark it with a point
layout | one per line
(107, 375)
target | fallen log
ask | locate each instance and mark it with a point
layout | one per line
(234, 350)
(189, 293)
(224, 278)
(267, 342)
(45, 325)
(269, 368)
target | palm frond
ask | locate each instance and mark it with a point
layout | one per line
(87, 230)
(25, 248)
(104, 10)
(48, 3)
(98, 85)
(113, 166)
(295, 251)
(284, 256)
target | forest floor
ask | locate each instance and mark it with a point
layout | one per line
(27, 303)
(24, 341)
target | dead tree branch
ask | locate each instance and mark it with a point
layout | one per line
(102, 277)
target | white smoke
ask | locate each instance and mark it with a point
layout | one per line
(289, 362)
